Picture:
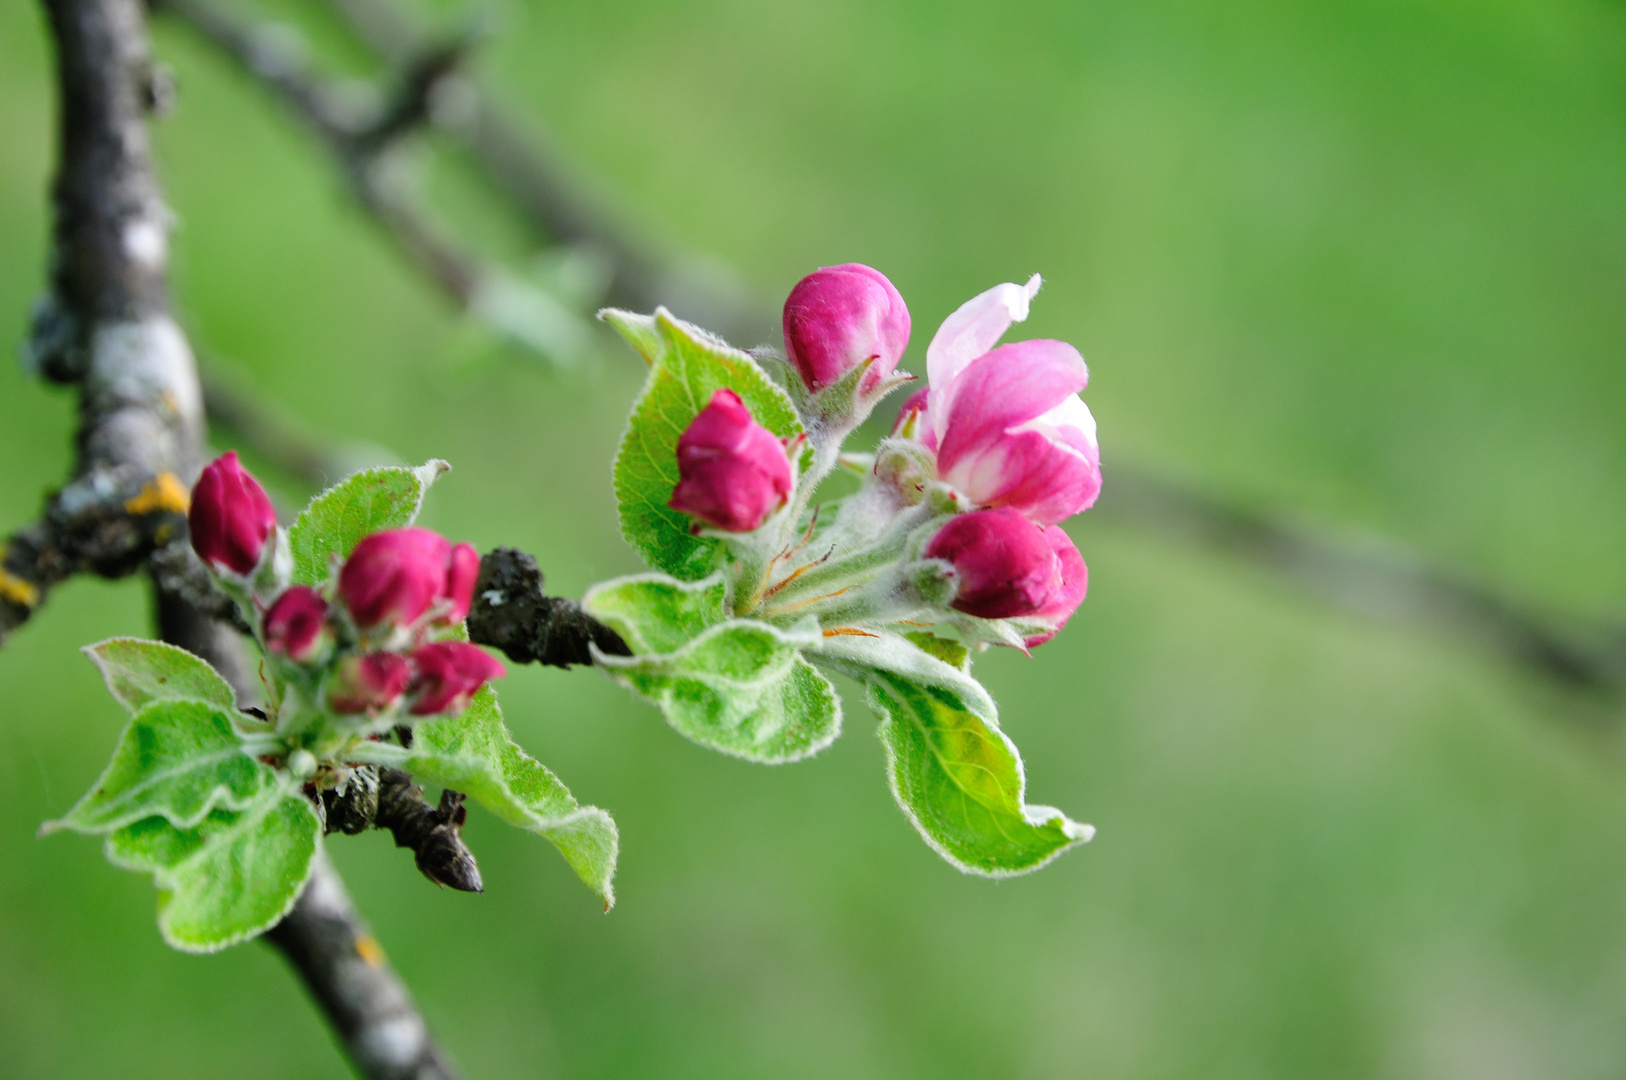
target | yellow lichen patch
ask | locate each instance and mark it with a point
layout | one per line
(163, 492)
(15, 590)
(368, 948)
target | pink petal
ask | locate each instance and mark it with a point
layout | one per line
(973, 330)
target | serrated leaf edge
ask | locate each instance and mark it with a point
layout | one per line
(95, 657)
(220, 797)
(164, 882)
(1037, 816)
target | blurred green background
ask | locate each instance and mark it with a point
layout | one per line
(1364, 262)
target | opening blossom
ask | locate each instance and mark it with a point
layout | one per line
(1007, 424)
(840, 316)
(734, 472)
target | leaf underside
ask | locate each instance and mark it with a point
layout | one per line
(959, 780)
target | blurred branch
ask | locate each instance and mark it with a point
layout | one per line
(1381, 579)
(1376, 579)
(105, 328)
(520, 162)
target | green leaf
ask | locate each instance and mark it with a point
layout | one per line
(741, 687)
(687, 365)
(639, 330)
(177, 759)
(654, 613)
(138, 672)
(951, 652)
(474, 754)
(232, 876)
(362, 504)
(954, 773)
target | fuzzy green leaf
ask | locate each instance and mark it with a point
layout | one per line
(473, 753)
(232, 876)
(654, 613)
(742, 688)
(688, 365)
(177, 759)
(951, 652)
(337, 519)
(954, 773)
(959, 779)
(138, 672)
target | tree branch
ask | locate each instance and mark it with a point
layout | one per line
(105, 328)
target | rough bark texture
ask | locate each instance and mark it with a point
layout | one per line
(105, 328)
(512, 613)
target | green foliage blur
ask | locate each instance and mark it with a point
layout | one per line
(1362, 261)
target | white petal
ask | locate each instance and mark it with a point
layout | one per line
(971, 331)
(1071, 413)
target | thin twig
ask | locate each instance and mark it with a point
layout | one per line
(105, 328)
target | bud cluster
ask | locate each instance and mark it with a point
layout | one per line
(958, 519)
(372, 647)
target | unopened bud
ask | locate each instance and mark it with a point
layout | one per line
(449, 673)
(1005, 564)
(231, 517)
(734, 472)
(296, 625)
(838, 317)
(368, 683)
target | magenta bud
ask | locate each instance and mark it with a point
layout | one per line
(734, 472)
(395, 575)
(231, 517)
(1006, 565)
(1073, 581)
(840, 316)
(368, 683)
(461, 574)
(449, 674)
(296, 625)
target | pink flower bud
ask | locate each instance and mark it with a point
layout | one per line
(395, 576)
(1005, 564)
(1068, 592)
(734, 472)
(1008, 424)
(461, 575)
(368, 683)
(840, 316)
(231, 517)
(296, 624)
(449, 674)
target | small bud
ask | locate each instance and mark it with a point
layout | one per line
(449, 674)
(734, 471)
(1006, 565)
(296, 625)
(395, 575)
(840, 316)
(231, 517)
(368, 683)
(302, 763)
